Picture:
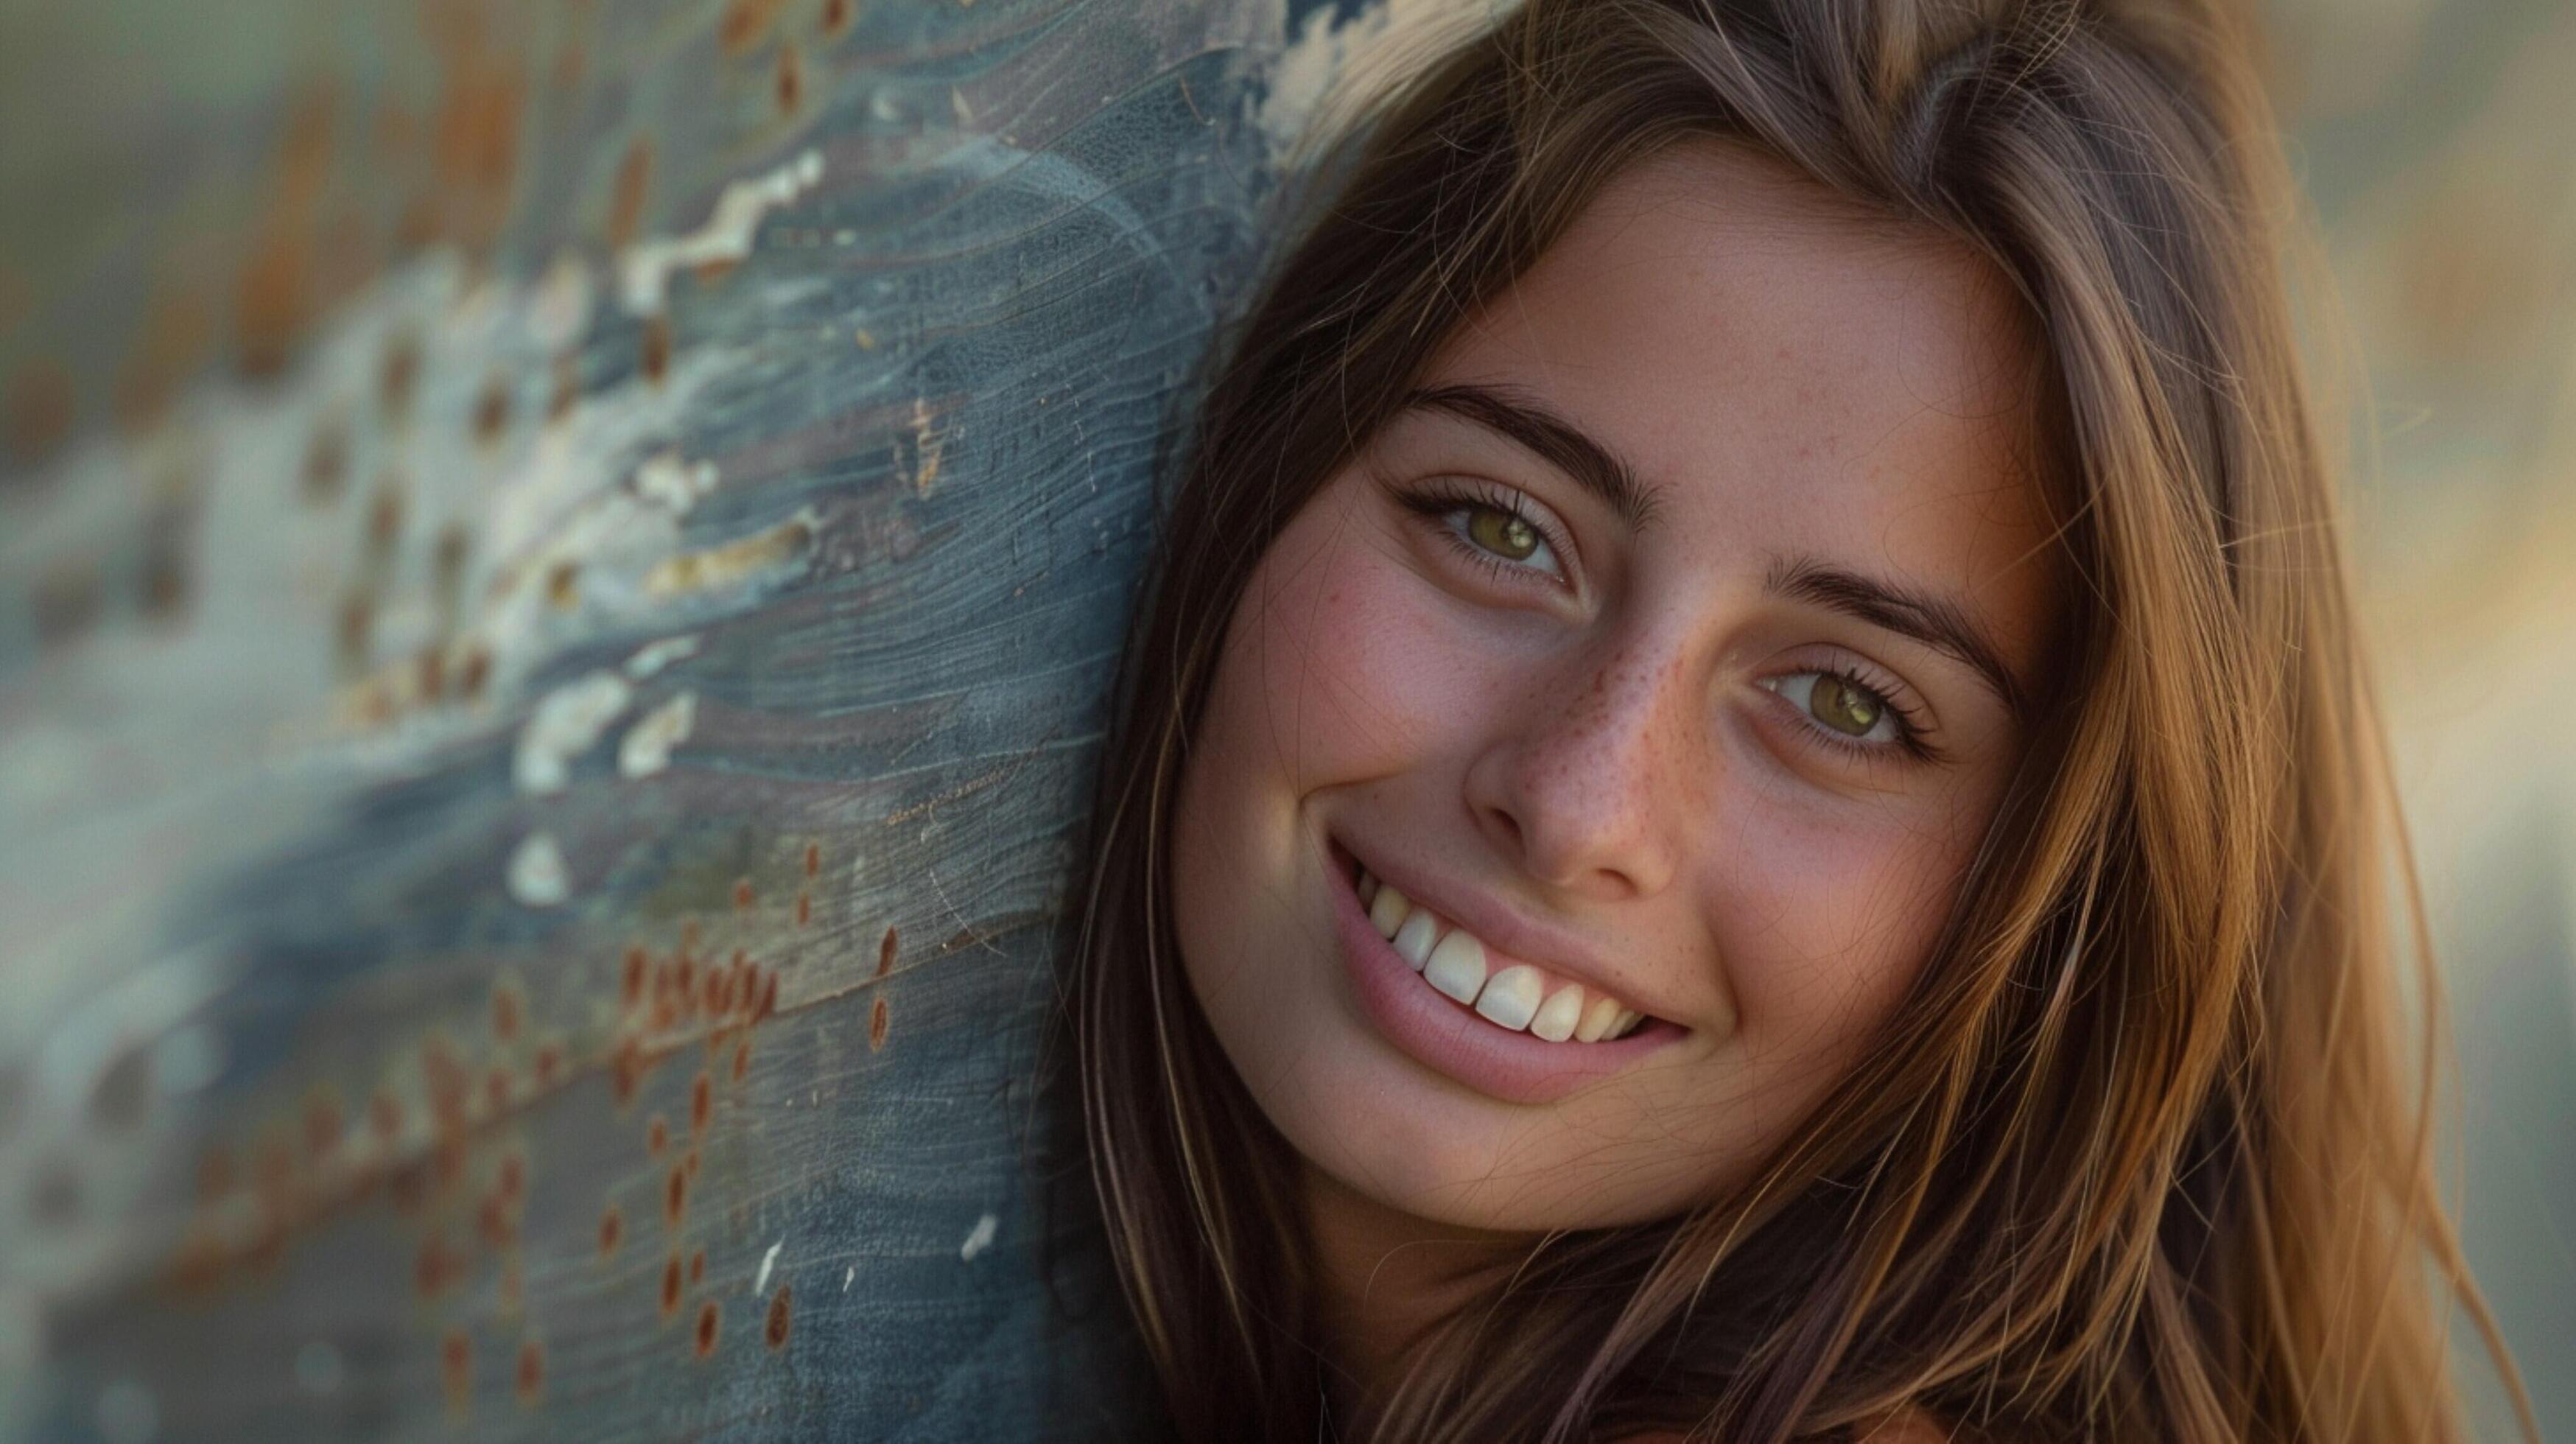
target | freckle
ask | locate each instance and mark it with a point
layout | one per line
(671, 1284)
(877, 1026)
(633, 989)
(791, 79)
(885, 953)
(457, 1355)
(612, 1230)
(697, 1266)
(701, 1103)
(657, 349)
(326, 462)
(775, 1331)
(506, 1010)
(657, 1136)
(707, 1316)
(532, 1372)
(626, 197)
(741, 1059)
(396, 376)
(741, 893)
(430, 1267)
(492, 411)
(675, 1196)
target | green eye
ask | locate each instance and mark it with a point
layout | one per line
(1502, 533)
(1845, 707)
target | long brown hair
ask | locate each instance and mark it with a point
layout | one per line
(2147, 1153)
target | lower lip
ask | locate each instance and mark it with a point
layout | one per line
(1451, 1039)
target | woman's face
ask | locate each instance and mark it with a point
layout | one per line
(1659, 655)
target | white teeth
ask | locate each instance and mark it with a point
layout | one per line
(1457, 966)
(1453, 961)
(1558, 1015)
(1511, 998)
(1605, 1010)
(1413, 940)
(1387, 910)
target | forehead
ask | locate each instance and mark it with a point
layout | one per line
(1786, 372)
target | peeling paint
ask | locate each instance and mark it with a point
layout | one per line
(646, 747)
(538, 876)
(564, 725)
(979, 1239)
(644, 270)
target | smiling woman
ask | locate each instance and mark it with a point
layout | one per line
(1743, 802)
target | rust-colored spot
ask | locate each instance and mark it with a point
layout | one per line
(657, 348)
(398, 377)
(626, 1071)
(447, 1159)
(510, 1177)
(456, 1360)
(43, 407)
(813, 859)
(689, 935)
(385, 516)
(273, 297)
(612, 1230)
(768, 997)
(671, 1284)
(657, 1135)
(431, 668)
(323, 1122)
(689, 1164)
(719, 991)
(877, 1025)
(745, 23)
(495, 1220)
(326, 461)
(708, 1317)
(492, 411)
(177, 334)
(790, 84)
(357, 625)
(675, 1196)
(701, 1103)
(631, 987)
(741, 893)
(836, 16)
(513, 1286)
(697, 1266)
(804, 908)
(499, 1086)
(549, 1064)
(409, 1186)
(433, 1268)
(563, 585)
(532, 1372)
(747, 987)
(775, 1330)
(741, 1059)
(446, 1078)
(507, 1011)
(885, 953)
(472, 672)
(566, 392)
(684, 980)
(626, 196)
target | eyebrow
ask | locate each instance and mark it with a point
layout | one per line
(1550, 437)
(1935, 621)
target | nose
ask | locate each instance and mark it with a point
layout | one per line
(1580, 781)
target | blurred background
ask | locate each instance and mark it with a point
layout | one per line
(557, 562)
(2434, 139)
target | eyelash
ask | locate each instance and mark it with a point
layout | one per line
(1910, 740)
(1437, 501)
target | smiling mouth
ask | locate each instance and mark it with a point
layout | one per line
(1453, 962)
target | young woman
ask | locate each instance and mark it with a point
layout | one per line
(1743, 804)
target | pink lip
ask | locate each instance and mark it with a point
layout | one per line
(1450, 1039)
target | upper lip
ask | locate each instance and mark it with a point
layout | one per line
(1508, 936)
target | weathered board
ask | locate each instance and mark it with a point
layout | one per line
(558, 566)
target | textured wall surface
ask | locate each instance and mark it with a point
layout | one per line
(558, 563)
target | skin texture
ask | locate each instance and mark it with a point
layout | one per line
(1603, 738)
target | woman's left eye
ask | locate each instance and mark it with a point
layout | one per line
(1494, 533)
(1845, 708)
